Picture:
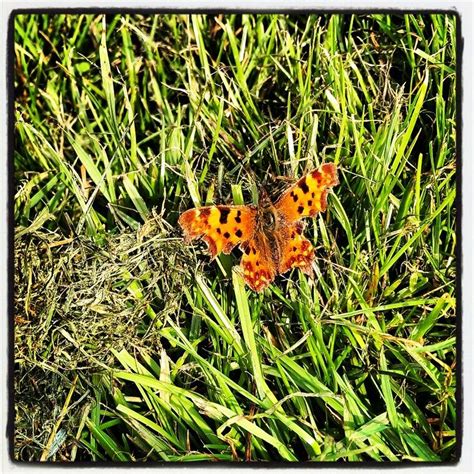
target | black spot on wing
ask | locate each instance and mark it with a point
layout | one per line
(219, 230)
(238, 233)
(294, 196)
(310, 203)
(300, 209)
(303, 186)
(238, 219)
(226, 235)
(224, 214)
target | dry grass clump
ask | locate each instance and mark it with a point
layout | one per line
(74, 301)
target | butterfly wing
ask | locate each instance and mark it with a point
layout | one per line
(221, 227)
(297, 251)
(308, 195)
(224, 227)
(257, 263)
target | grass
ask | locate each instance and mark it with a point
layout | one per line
(131, 346)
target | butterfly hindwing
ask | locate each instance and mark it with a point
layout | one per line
(257, 265)
(308, 195)
(297, 252)
(221, 227)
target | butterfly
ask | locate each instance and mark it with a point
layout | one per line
(270, 234)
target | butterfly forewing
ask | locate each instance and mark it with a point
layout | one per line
(308, 195)
(221, 227)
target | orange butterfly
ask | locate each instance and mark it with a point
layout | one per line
(270, 235)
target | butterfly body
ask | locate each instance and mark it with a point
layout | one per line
(270, 234)
(272, 228)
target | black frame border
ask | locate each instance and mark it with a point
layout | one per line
(214, 11)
